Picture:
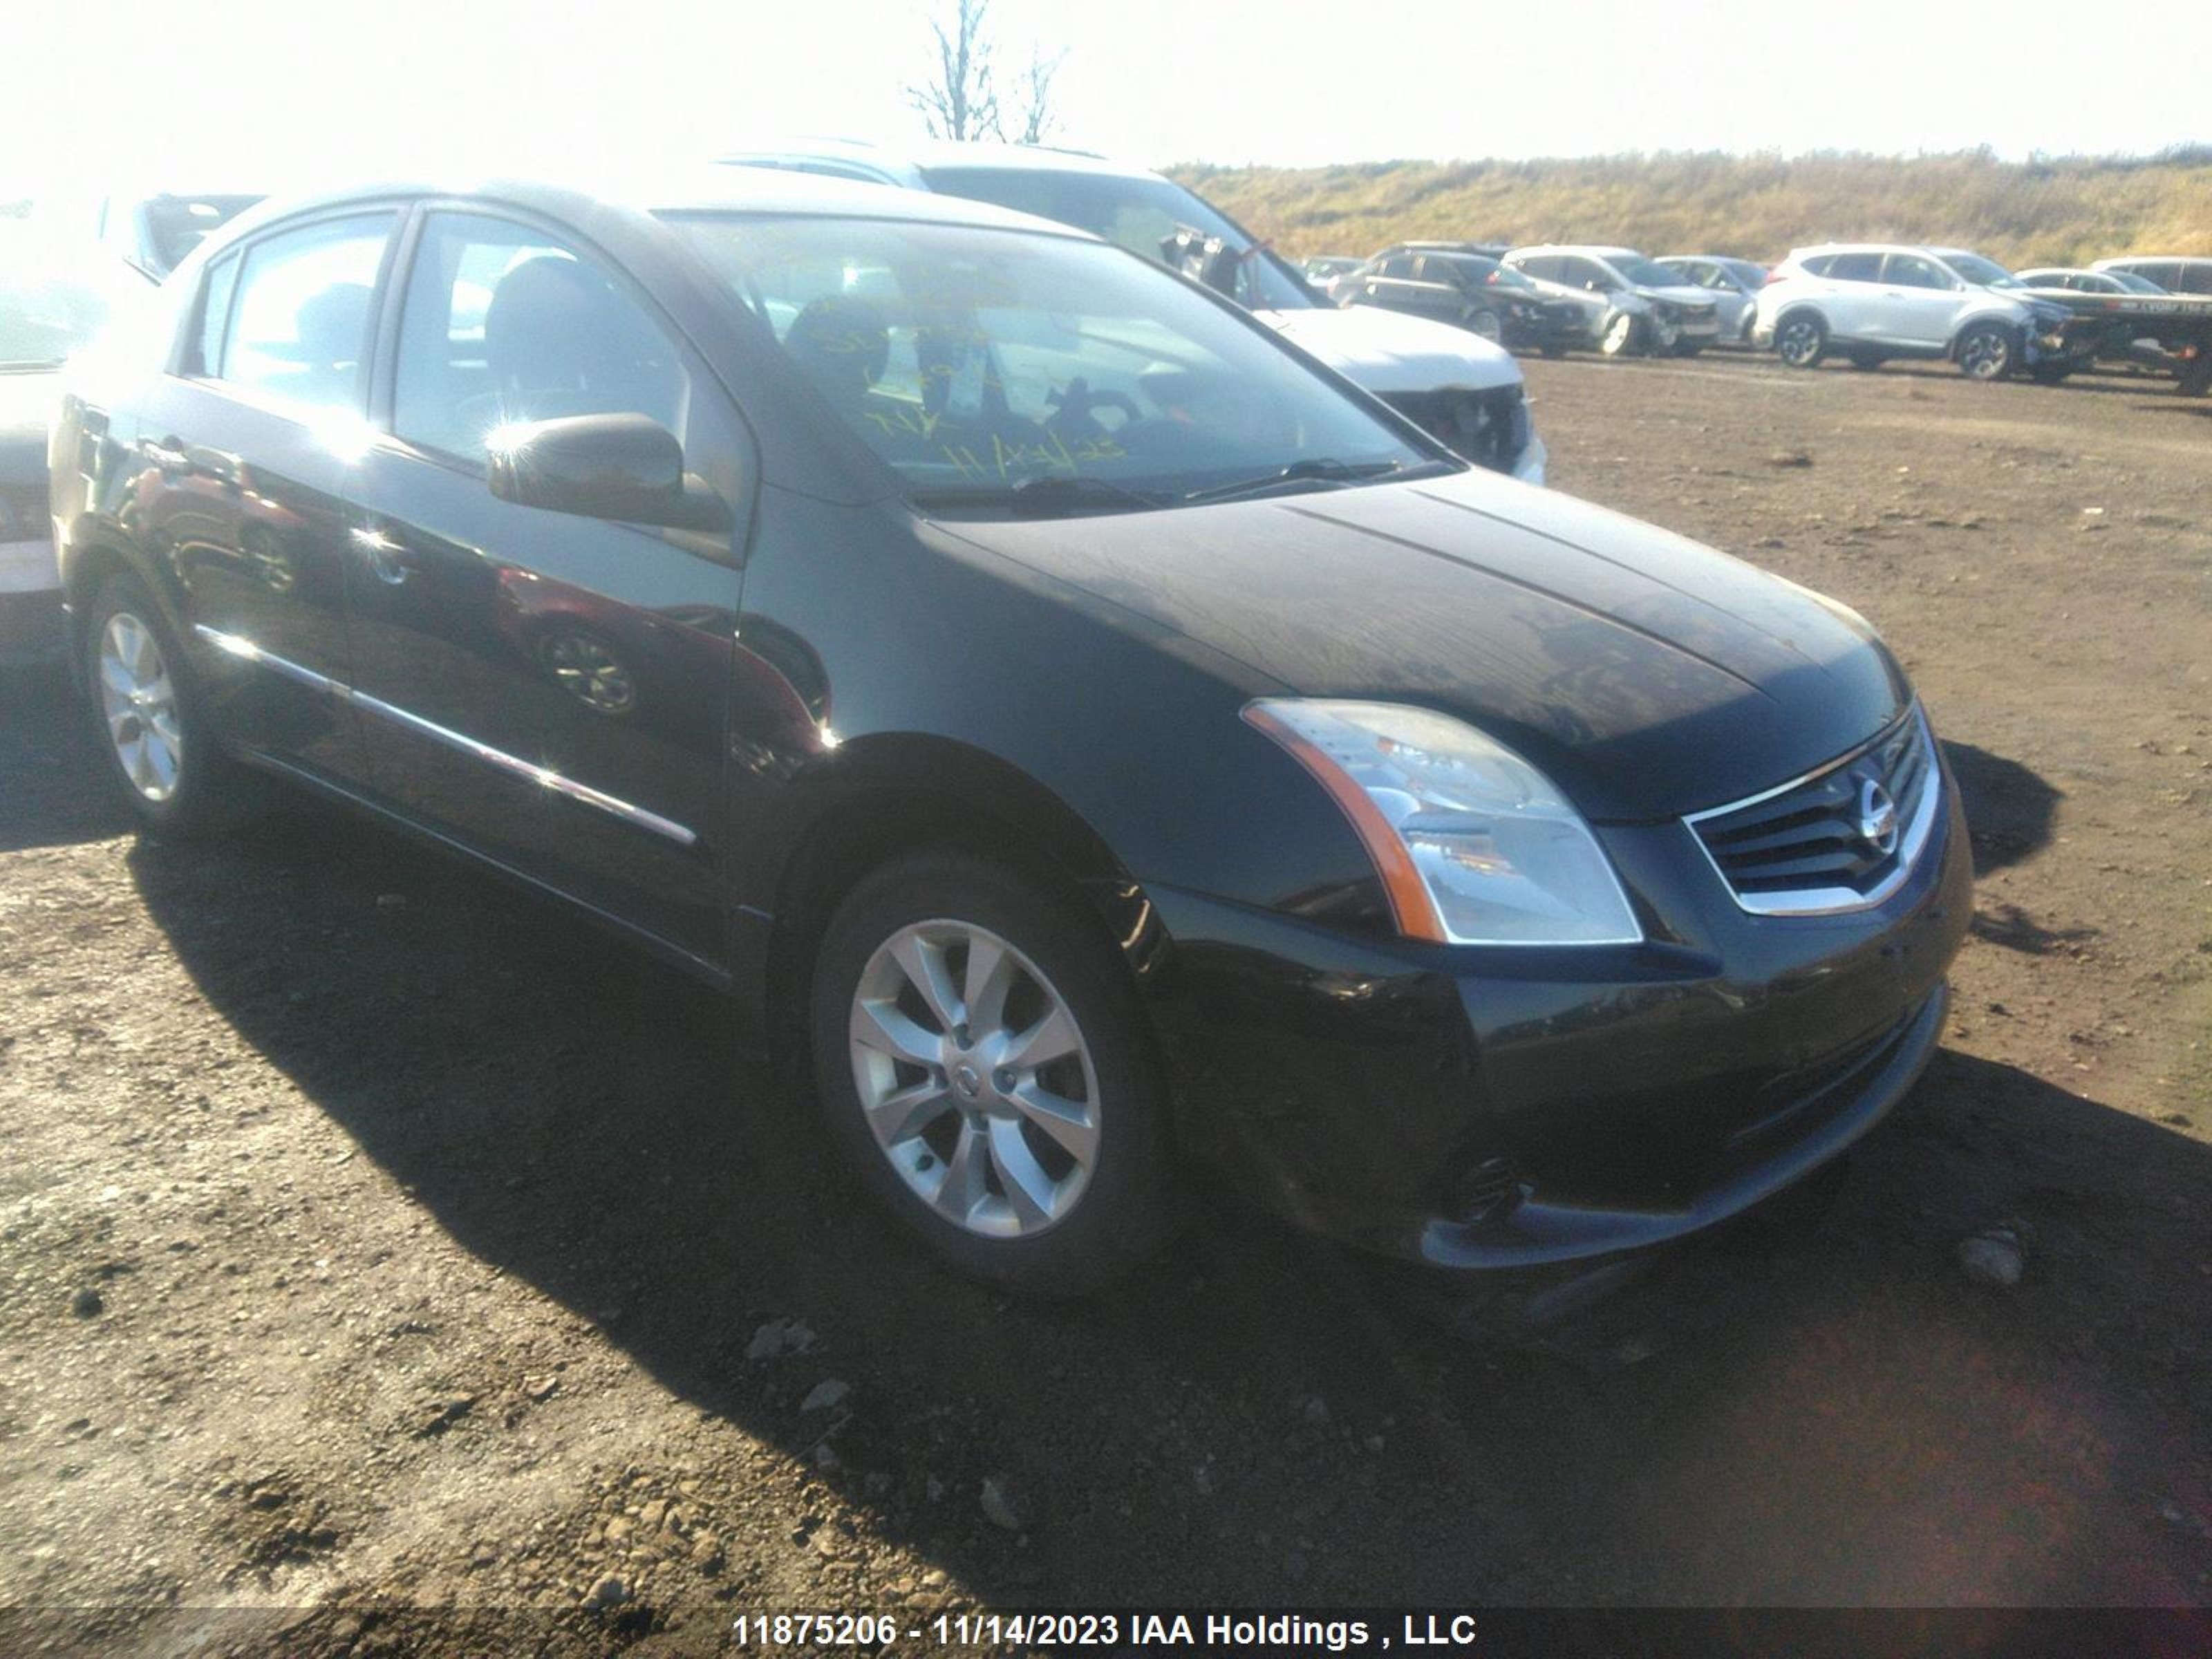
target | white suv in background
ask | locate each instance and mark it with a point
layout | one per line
(1870, 301)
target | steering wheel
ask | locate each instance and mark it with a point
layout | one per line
(1078, 403)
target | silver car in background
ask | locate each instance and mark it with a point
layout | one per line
(1734, 283)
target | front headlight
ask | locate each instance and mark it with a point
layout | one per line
(1473, 845)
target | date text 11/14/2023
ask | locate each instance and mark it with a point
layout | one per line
(1239, 1631)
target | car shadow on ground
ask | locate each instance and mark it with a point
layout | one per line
(50, 776)
(1825, 1411)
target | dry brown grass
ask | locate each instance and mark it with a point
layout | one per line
(2055, 212)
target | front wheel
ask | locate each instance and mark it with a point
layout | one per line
(1486, 323)
(1986, 352)
(984, 1064)
(1802, 340)
(161, 751)
(1620, 336)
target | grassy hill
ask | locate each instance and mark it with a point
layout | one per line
(2062, 211)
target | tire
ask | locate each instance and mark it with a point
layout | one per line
(1055, 1202)
(1623, 335)
(1801, 339)
(149, 718)
(1867, 360)
(1986, 351)
(1486, 323)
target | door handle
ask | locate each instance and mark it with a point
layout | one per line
(382, 554)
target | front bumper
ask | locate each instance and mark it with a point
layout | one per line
(1479, 1108)
(30, 629)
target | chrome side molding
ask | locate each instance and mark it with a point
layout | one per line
(515, 765)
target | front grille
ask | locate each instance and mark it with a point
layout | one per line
(1491, 427)
(1823, 842)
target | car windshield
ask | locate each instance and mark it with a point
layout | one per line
(1986, 273)
(56, 298)
(976, 362)
(1646, 273)
(1139, 214)
(1750, 274)
(2131, 283)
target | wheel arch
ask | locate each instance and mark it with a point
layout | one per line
(884, 796)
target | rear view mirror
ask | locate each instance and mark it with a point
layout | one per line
(625, 467)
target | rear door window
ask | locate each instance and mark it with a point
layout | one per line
(300, 323)
(1854, 268)
(1910, 270)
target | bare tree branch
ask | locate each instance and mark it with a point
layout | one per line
(958, 101)
(1038, 119)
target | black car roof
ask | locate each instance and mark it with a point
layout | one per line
(702, 190)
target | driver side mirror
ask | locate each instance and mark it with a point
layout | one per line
(626, 467)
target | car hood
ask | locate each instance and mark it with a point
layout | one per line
(1386, 351)
(1677, 294)
(27, 403)
(1647, 675)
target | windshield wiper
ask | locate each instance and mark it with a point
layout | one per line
(1320, 469)
(1058, 492)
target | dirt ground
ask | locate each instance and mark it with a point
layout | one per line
(374, 1242)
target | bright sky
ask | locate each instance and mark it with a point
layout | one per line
(200, 93)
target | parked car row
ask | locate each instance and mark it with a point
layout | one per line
(1864, 302)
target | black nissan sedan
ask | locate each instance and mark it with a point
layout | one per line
(1107, 740)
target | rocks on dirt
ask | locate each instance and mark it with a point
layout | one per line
(1790, 458)
(825, 1395)
(780, 1337)
(87, 1304)
(441, 1415)
(1000, 1506)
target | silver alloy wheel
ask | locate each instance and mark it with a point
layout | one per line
(975, 1079)
(139, 700)
(1618, 335)
(1486, 323)
(1801, 338)
(1985, 353)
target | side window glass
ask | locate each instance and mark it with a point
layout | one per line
(501, 323)
(300, 321)
(1818, 265)
(221, 288)
(1398, 265)
(1855, 268)
(1910, 270)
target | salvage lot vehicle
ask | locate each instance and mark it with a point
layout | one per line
(1639, 307)
(1734, 283)
(2119, 315)
(55, 296)
(1468, 290)
(2176, 274)
(1466, 392)
(1138, 746)
(1871, 301)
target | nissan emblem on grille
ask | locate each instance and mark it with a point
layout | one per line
(1877, 817)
